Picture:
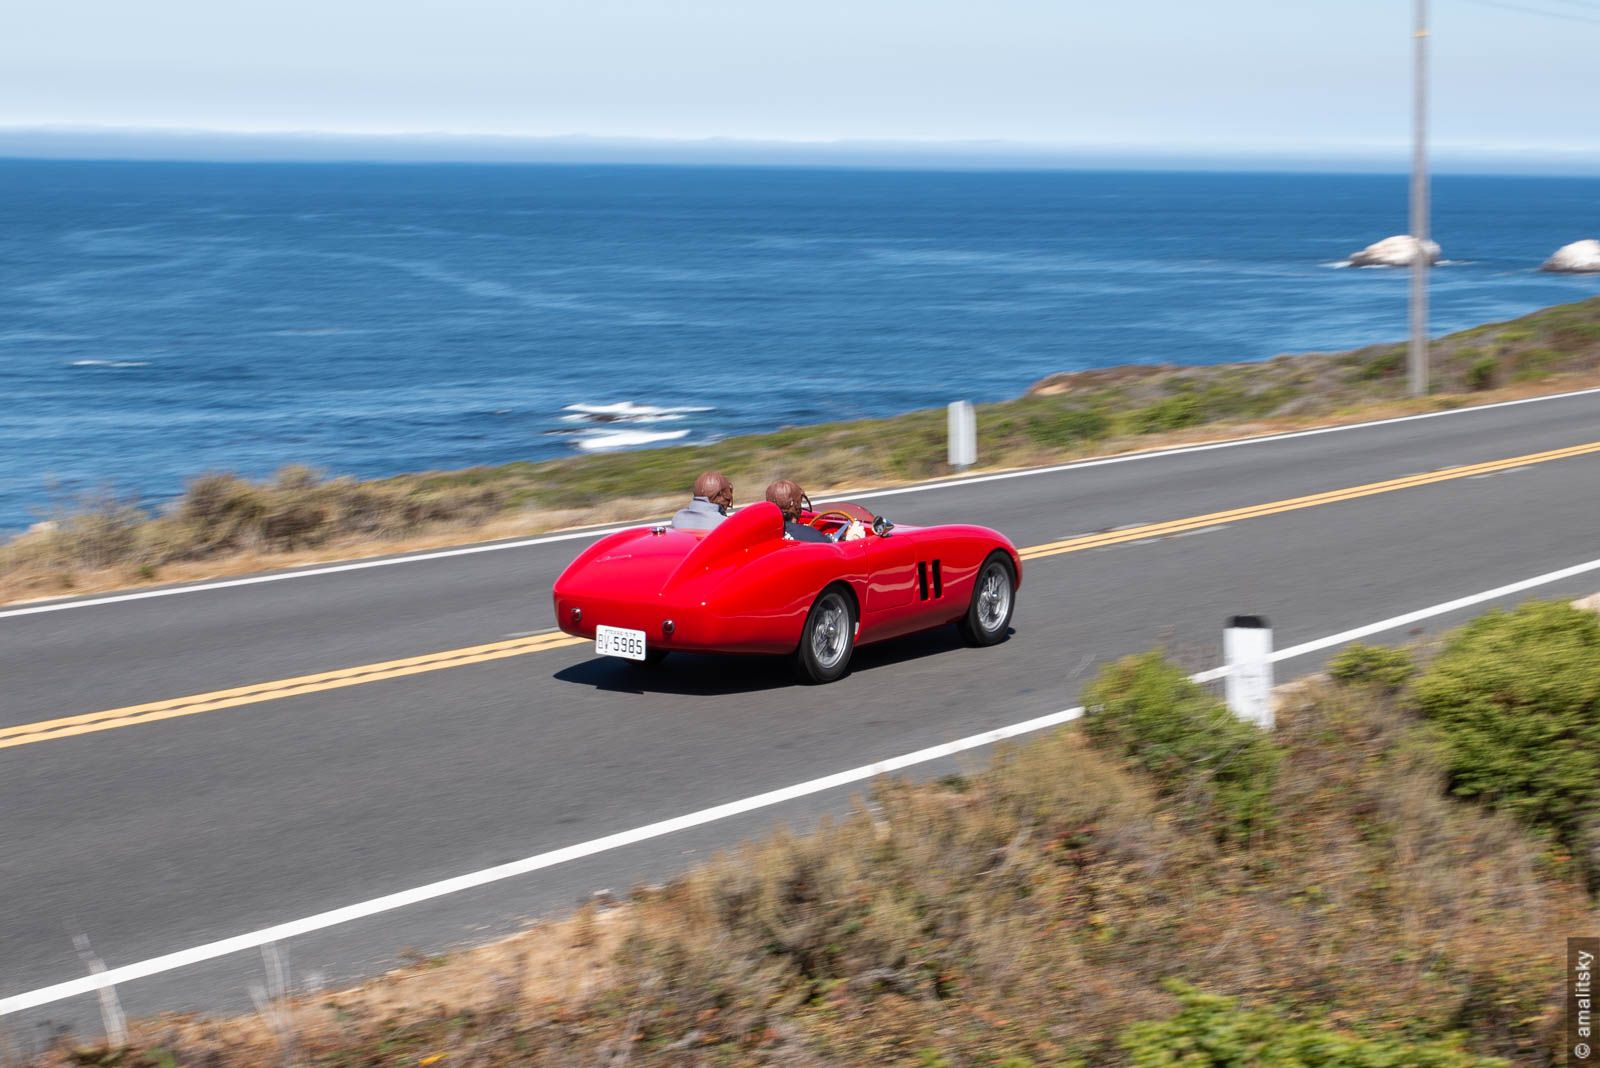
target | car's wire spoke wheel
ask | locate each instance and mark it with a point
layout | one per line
(988, 619)
(994, 597)
(829, 638)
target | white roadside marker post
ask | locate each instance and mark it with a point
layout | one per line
(963, 435)
(116, 1024)
(1247, 648)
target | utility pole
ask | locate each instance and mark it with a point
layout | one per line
(1420, 262)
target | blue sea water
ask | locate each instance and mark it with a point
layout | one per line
(160, 320)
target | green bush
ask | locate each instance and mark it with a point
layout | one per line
(1377, 664)
(1385, 365)
(1174, 413)
(1535, 364)
(1574, 335)
(1219, 767)
(1516, 698)
(1067, 427)
(1213, 1032)
(1480, 373)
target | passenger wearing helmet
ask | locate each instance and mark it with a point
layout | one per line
(788, 496)
(713, 494)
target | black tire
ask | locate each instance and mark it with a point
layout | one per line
(829, 638)
(994, 598)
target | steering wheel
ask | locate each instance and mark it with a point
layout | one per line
(820, 516)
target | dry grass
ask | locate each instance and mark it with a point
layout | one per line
(1027, 911)
(226, 525)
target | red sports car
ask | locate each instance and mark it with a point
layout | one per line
(744, 587)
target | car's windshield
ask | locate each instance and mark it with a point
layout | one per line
(840, 520)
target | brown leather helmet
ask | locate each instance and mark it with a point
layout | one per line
(787, 495)
(715, 487)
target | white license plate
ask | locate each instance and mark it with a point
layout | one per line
(616, 641)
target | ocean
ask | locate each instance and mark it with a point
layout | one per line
(162, 320)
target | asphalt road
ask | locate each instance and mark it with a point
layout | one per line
(158, 836)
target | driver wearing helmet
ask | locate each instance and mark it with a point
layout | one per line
(788, 495)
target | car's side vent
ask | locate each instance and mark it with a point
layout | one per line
(938, 580)
(922, 580)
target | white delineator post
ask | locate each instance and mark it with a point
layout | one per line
(116, 1023)
(1247, 648)
(963, 434)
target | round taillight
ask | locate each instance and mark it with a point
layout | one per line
(577, 614)
(667, 627)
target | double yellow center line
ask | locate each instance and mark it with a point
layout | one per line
(88, 723)
(49, 730)
(1315, 500)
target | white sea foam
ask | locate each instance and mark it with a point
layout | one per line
(110, 363)
(623, 439)
(626, 412)
(589, 419)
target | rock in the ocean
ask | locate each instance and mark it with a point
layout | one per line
(1397, 251)
(1580, 257)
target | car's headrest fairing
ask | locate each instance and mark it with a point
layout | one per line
(748, 526)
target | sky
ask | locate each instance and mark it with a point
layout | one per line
(1325, 79)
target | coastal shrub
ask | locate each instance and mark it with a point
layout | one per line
(101, 531)
(291, 525)
(299, 508)
(1384, 365)
(220, 510)
(1211, 1031)
(1516, 699)
(1575, 334)
(1244, 396)
(1173, 413)
(1380, 665)
(1220, 769)
(1067, 427)
(1534, 364)
(1480, 373)
(292, 477)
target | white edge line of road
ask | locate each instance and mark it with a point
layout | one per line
(596, 532)
(362, 909)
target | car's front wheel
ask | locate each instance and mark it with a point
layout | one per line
(829, 638)
(994, 595)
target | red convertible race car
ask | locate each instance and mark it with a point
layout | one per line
(744, 587)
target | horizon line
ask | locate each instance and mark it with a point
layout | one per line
(171, 143)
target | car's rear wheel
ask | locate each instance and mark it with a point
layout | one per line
(829, 638)
(994, 596)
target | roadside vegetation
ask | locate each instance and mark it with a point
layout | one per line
(224, 523)
(1386, 879)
